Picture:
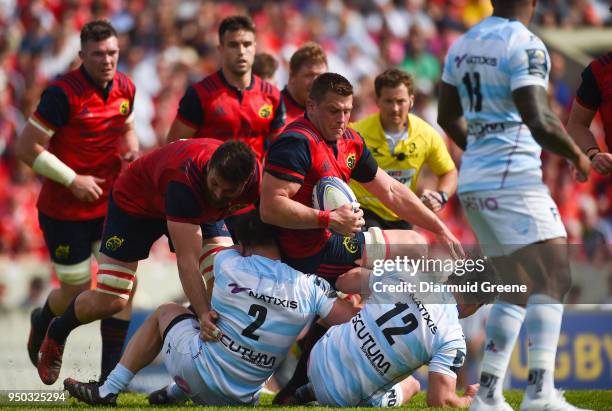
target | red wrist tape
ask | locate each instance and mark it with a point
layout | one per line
(323, 218)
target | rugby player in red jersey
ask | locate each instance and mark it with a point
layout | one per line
(74, 140)
(231, 103)
(173, 191)
(308, 62)
(594, 94)
(319, 145)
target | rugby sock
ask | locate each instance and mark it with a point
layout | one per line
(175, 392)
(543, 322)
(113, 331)
(117, 381)
(502, 330)
(64, 324)
(45, 316)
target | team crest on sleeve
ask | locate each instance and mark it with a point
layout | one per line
(350, 160)
(124, 108)
(265, 111)
(114, 243)
(62, 251)
(536, 59)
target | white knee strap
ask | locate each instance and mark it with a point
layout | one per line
(115, 280)
(74, 274)
(207, 256)
(376, 247)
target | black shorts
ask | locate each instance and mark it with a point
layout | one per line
(70, 242)
(374, 220)
(334, 259)
(129, 238)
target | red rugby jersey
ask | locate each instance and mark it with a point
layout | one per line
(301, 155)
(293, 109)
(221, 111)
(595, 91)
(169, 183)
(88, 136)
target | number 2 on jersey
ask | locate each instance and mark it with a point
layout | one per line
(259, 312)
(408, 319)
(473, 89)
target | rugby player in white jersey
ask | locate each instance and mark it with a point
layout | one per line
(262, 305)
(493, 104)
(393, 335)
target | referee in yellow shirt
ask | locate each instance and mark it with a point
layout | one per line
(401, 143)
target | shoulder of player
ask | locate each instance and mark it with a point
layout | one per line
(209, 85)
(125, 84)
(72, 83)
(602, 60)
(266, 88)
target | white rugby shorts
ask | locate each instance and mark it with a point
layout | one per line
(507, 220)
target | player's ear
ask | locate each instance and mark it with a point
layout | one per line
(411, 102)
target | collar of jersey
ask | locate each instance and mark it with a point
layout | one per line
(105, 91)
(227, 83)
(290, 97)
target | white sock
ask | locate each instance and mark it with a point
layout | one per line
(543, 322)
(117, 381)
(503, 327)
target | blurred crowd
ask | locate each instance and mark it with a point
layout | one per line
(167, 44)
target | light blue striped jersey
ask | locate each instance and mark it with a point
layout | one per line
(263, 305)
(486, 64)
(392, 336)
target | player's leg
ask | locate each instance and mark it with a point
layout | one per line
(506, 317)
(141, 351)
(399, 394)
(68, 243)
(113, 330)
(125, 241)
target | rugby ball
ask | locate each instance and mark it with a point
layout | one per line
(331, 192)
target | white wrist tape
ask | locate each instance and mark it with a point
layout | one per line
(48, 165)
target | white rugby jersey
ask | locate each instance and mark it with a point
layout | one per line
(486, 64)
(390, 338)
(263, 305)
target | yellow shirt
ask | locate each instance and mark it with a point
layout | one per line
(422, 145)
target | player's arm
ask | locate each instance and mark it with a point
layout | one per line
(532, 104)
(586, 104)
(440, 162)
(279, 120)
(442, 392)
(52, 113)
(277, 208)
(402, 201)
(450, 115)
(355, 281)
(341, 312)
(287, 163)
(187, 240)
(188, 117)
(182, 214)
(131, 140)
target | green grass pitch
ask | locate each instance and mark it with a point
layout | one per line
(594, 400)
